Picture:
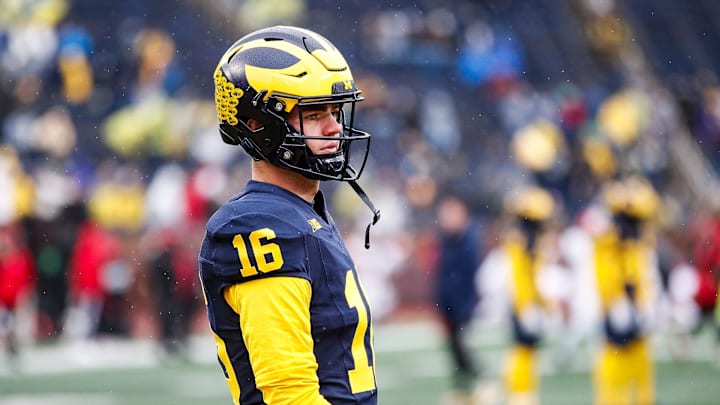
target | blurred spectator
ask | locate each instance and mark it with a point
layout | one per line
(703, 283)
(708, 126)
(96, 256)
(456, 297)
(171, 258)
(101, 272)
(489, 56)
(172, 275)
(581, 309)
(707, 261)
(541, 148)
(51, 231)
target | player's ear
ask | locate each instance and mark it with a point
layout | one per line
(253, 124)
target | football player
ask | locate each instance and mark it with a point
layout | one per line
(285, 305)
(531, 208)
(628, 284)
(456, 296)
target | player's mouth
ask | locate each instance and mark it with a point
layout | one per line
(330, 148)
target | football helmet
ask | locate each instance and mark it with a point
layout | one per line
(264, 76)
(530, 202)
(633, 196)
(531, 208)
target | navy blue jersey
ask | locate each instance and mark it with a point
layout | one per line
(459, 259)
(266, 246)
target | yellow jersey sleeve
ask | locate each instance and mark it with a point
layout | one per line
(274, 317)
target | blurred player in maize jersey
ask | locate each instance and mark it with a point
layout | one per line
(286, 307)
(627, 280)
(527, 252)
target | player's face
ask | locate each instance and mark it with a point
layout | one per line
(321, 120)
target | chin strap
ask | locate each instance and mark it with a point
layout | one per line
(376, 212)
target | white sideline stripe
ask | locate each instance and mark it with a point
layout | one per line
(424, 339)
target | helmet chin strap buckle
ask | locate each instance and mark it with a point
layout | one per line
(376, 212)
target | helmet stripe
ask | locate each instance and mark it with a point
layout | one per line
(315, 41)
(289, 34)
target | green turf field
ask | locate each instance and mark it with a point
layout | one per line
(689, 383)
(412, 369)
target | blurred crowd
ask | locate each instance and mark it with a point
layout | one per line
(111, 162)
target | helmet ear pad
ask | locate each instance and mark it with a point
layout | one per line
(264, 141)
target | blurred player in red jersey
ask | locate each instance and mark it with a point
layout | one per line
(16, 278)
(707, 264)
